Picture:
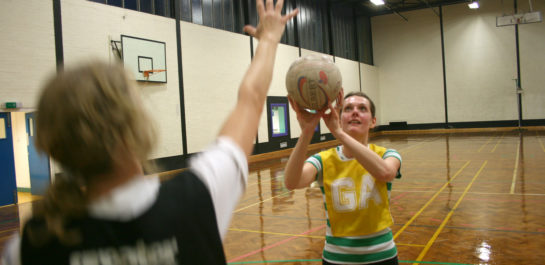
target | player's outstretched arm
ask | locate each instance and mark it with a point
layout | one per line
(241, 125)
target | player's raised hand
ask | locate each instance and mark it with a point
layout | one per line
(271, 21)
(332, 119)
(340, 101)
(307, 121)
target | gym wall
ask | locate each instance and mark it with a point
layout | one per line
(87, 29)
(27, 49)
(407, 55)
(532, 63)
(214, 61)
(285, 55)
(370, 86)
(480, 65)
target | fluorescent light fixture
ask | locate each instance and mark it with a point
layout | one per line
(377, 2)
(473, 5)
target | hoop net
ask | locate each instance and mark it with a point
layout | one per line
(147, 73)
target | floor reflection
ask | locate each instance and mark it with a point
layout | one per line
(483, 251)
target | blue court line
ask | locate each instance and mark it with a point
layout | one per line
(319, 260)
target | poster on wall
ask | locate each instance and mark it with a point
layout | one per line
(279, 119)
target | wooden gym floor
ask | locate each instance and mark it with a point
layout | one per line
(466, 197)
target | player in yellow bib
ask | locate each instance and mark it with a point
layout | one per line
(355, 179)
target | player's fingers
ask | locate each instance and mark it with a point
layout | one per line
(293, 104)
(291, 15)
(260, 7)
(269, 5)
(250, 30)
(340, 99)
(279, 5)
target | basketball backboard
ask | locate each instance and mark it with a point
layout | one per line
(146, 59)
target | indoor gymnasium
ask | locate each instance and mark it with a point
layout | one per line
(454, 111)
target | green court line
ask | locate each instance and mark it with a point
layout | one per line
(273, 261)
(302, 260)
(431, 262)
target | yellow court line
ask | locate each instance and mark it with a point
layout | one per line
(9, 205)
(6, 237)
(433, 160)
(404, 149)
(515, 170)
(483, 193)
(438, 231)
(429, 201)
(261, 201)
(502, 193)
(540, 142)
(257, 182)
(274, 233)
(10, 234)
(496, 146)
(485, 144)
(409, 245)
(10, 230)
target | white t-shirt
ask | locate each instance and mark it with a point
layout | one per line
(222, 167)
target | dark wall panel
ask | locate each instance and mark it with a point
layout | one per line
(185, 6)
(227, 15)
(365, 40)
(324, 26)
(196, 12)
(207, 13)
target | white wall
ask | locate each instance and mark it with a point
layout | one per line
(532, 63)
(480, 61)
(285, 55)
(480, 64)
(27, 49)
(350, 74)
(370, 86)
(408, 57)
(88, 28)
(211, 79)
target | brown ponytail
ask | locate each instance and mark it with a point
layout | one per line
(84, 116)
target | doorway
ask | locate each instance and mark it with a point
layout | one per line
(8, 186)
(38, 162)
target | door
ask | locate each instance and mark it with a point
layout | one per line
(38, 162)
(8, 186)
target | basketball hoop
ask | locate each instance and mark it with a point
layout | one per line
(147, 73)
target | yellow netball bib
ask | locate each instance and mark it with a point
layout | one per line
(356, 203)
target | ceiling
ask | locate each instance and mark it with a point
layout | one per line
(366, 8)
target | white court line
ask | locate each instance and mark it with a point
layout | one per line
(515, 170)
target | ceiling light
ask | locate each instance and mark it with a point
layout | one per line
(473, 5)
(377, 2)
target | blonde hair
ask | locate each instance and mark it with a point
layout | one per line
(85, 115)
